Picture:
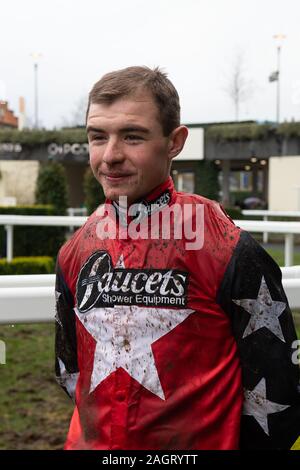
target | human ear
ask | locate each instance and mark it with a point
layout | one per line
(177, 140)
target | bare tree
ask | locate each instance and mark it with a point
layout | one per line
(80, 111)
(238, 87)
(77, 115)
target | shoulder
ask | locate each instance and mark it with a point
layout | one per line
(215, 216)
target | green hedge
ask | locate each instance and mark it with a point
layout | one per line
(31, 138)
(32, 240)
(51, 187)
(206, 180)
(240, 132)
(246, 131)
(289, 129)
(251, 131)
(234, 213)
(93, 192)
(28, 265)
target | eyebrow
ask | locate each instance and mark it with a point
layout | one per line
(133, 128)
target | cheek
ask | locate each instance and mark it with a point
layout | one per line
(94, 157)
(153, 163)
(151, 159)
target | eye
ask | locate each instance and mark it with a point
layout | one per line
(132, 138)
(98, 138)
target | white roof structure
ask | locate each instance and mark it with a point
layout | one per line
(194, 145)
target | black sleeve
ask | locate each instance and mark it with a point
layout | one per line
(66, 367)
(252, 295)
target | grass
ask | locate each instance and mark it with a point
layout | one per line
(278, 255)
(296, 315)
(34, 411)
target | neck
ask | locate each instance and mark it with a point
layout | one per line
(156, 200)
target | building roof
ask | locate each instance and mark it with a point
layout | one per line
(219, 123)
(7, 117)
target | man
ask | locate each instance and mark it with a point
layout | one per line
(165, 343)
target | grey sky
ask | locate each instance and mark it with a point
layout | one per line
(195, 41)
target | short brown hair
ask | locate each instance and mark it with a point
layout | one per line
(129, 81)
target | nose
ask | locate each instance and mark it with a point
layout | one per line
(113, 152)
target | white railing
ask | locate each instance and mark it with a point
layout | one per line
(77, 211)
(39, 220)
(27, 298)
(31, 298)
(27, 280)
(73, 211)
(289, 229)
(265, 214)
(291, 284)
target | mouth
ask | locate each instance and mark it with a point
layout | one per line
(116, 177)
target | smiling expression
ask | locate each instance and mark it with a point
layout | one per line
(129, 155)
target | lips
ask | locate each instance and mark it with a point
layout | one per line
(116, 177)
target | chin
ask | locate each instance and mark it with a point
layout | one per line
(115, 196)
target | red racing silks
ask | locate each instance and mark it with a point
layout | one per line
(145, 343)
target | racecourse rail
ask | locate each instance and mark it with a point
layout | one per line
(288, 229)
(31, 298)
(265, 214)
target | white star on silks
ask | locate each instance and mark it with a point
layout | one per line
(124, 335)
(120, 262)
(57, 296)
(257, 405)
(264, 312)
(67, 379)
